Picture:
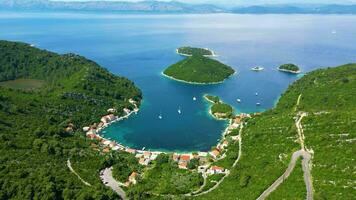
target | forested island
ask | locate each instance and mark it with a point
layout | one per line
(219, 109)
(190, 51)
(291, 68)
(198, 69)
(45, 100)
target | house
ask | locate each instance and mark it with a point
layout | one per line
(216, 170)
(86, 128)
(126, 110)
(182, 165)
(235, 138)
(175, 157)
(144, 161)
(225, 144)
(91, 136)
(132, 101)
(112, 144)
(237, 120)
(69, 129)
(133, 178)
(215, 153)
(128, 150)
(147, 154)
(184, 158)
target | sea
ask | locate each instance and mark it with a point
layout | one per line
(141, 46)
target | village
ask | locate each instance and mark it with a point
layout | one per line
(204, 160)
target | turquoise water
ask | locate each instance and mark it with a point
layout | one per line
(141, 46)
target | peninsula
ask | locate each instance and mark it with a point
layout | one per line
(290, 68)
(219, 109)
(197, 68)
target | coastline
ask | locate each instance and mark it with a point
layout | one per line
(289, 71)
(197, 83)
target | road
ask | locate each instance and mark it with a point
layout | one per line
(305, 162)
(69, 164)
(108, 180)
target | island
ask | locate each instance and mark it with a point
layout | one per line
(219, 109)
(198, 69)
(190, 51)
(290, 68)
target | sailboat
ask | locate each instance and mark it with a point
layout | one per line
(179, 111)
(194, 98)
(160, 116)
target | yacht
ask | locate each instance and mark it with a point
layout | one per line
(256, 93)
(194, 98)
(257, 68)
(258, 104)
(179, 111)
(160, 116)
(238, 100)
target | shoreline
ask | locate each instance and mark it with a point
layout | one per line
(289, 71)
(196, 83)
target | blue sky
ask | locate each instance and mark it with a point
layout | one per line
(251, 2)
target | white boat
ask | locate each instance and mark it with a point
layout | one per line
(160, 116)
(257, 68)
(258, 104)
(333, 32)
(239, 100)
(194, 98)
(179, 111)
(32, 45)
(256, 94)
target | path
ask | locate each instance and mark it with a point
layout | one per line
(108, 180)
(305, 162)
(227, 174)
(69, 164)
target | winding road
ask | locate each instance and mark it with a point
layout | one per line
(108, 180)
(305, 162)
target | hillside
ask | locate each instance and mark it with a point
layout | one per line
(269, 139)
(41, 129)
(199, 69)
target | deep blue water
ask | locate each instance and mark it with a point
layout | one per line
(141, 46)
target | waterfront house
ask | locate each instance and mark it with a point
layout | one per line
(147, 154)
(202, 154)
(144, 161)
(184, 158)
(128, 150)
(215, 153)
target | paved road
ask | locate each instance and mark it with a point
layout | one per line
(305, 164)
(69, 164)
(108, 180)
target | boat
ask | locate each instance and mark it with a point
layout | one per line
(333, 32)
(239, 100)
(32, 45)
(194, 98)
(179, 111)
(258, 104)
(160, 116)
(257, 68)
(256, 93)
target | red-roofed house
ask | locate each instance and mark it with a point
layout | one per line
(214, 153)
(216, 170)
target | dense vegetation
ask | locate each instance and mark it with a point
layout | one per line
(270, 139)
(165, 178)
(222, 108)
(199, 69)
(194, 51)
(289, 67)
(35, 142)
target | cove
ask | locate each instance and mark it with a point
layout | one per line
(140, 47)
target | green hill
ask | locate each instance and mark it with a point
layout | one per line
(199, 69)
(269, 140)
(35, 142)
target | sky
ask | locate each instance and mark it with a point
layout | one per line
(251, 2)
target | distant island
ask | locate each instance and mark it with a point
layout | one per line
(190, 51)
(197, 68)
(291, 68)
